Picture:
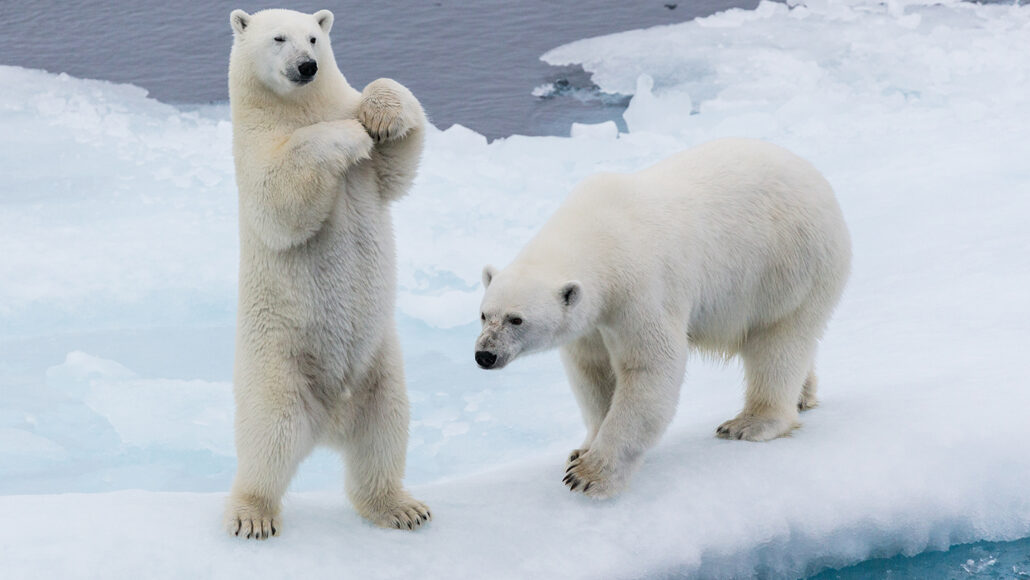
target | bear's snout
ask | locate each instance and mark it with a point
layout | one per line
(485, 359)
(307, 69)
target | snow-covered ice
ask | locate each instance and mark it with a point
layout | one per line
(117, 298)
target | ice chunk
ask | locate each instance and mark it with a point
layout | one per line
(606, 130)
(20, 448)
(150, 413)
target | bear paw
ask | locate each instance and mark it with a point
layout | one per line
(575, 455)
(388, 110)
(401, 513)
(755, 427)
(251, 518)
(807, 401)
(593, 475)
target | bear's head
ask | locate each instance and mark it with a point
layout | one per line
(524, 312)
(282, 50)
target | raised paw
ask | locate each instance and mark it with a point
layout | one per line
(251, 519)
(403, 513)
(592, 474)
(755, 427)
(388, 110)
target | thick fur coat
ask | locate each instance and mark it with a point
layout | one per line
(317, 357)
(736, 247)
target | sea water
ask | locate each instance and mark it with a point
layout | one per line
(473, 63)
(1001, 560)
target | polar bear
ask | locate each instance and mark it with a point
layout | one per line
(735, 247)
(317, 357)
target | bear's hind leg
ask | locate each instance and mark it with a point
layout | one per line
(808, 398)
(372, 433)
(776, 363)
(274, 432)
(589, 369)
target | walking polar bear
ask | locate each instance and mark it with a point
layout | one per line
(733, 247)
(317, 356)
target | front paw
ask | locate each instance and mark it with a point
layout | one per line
(388, 110)
(574, 455)
(593, 474)
(349, 140)
(251, 517)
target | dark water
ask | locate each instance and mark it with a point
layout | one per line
(469, 62)
(1000, 560)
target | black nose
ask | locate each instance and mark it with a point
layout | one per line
(485, 358)
(308, 69)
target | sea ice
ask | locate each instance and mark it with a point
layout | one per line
(117, 298)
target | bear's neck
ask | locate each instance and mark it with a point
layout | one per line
(559, 254)
(253, 104)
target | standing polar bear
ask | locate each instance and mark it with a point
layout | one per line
(317, 355)
(734, 247)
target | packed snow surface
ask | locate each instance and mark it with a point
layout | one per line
(117, 300)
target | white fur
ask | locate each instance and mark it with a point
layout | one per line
(317, 355)
(736, 247)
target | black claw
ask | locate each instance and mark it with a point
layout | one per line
(587, 486)
(274, 531)
(574, 486)
(410, 527)
(567, 479)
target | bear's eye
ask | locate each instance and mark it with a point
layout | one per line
(280, 39)
(482, 316)
(516, 321)
(312, 40)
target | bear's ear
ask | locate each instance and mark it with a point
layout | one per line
(488, 274)
(324, 18)
(239, 21)
(571, 292)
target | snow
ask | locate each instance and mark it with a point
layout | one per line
(117, 303)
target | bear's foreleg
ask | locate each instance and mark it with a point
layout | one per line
(395, 120)
(299, 187)
(589, 369)
(649, 363)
